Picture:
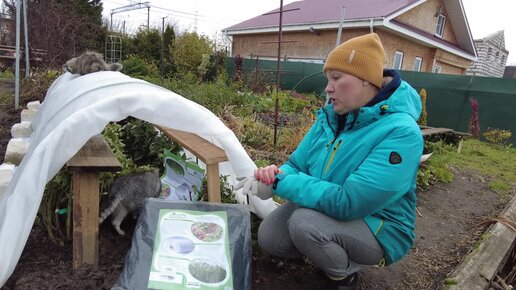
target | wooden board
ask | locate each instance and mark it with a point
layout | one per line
(481, 266)
(200, 147)
(432, 131)
(95, 155)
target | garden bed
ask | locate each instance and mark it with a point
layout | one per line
(449, 225)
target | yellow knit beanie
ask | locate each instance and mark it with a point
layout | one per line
(362, 56)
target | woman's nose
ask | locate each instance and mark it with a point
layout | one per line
(329, 89)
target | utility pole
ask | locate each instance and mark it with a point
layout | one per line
(339, 33)
(162, 45)
(130, 7)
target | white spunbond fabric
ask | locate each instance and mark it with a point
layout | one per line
(78, 107)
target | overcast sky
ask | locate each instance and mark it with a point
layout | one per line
(484, 17)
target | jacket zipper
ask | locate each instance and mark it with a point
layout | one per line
(332, 155)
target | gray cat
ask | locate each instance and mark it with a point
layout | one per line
(127, 195)
(89, 62)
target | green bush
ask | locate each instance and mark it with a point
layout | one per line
(188, 49)
(144, 144)
(137, 66)
(55, 203)
(497, 136)
(256, 135)
(35, 87)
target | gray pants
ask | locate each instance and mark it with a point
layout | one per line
(336, 247)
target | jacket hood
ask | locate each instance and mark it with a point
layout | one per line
(395, 96)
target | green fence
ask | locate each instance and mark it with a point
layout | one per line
(447, 95)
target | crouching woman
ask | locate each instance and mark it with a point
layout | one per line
(350, 184)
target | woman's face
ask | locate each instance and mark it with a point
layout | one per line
(347, 92)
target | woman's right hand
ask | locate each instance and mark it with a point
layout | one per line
(267, 174)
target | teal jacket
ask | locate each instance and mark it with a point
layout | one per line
(368, 171)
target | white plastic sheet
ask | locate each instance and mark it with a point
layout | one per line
(79, 107)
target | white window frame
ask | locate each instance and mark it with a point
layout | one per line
(396, 55)
(418, 63)
(436, 69)
(441, 22)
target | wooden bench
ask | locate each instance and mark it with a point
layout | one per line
(428, 131)
(432, 131)
(94, 157)
(209, 153)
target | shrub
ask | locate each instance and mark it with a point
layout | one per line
(137, 66)
(474, 123)
(497, 136)
(55, 203)
(35, 88)
(424, 114)
(187, 50)
(144, 144)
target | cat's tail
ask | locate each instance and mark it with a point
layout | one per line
(109, 210)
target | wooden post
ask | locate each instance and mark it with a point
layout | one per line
(94, 157)
(85, 218)
(209, 153)
(213, 182)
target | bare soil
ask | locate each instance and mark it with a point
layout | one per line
(449, 224)
(448, 227)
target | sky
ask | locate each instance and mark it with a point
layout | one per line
(209, 17)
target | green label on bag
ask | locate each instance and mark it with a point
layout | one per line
(191, 250)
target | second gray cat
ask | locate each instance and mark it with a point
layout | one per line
(127, 195)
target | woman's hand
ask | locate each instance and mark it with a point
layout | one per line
(267, 174)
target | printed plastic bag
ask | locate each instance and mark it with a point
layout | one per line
(189, 245)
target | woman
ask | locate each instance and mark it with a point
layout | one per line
(350, 184)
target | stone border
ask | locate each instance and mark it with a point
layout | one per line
(18, 145)
(481, 266)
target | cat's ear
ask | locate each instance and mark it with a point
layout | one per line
(115, 67)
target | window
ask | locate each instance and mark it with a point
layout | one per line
(417, 63)
(436, 69)
(441, 20)
(398, 60)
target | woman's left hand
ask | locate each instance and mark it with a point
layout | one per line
(267, 174)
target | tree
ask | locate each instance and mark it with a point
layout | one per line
(188, 49)
(168, 38)
(62, 29)
(147, 45)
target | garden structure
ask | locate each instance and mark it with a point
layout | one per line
(77, 108)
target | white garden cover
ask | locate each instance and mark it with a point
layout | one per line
(79, 107)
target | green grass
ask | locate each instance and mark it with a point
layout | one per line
(496, 162)
(7, 75)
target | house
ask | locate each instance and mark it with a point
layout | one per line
(510, 72)
(418, 35)
(492, 56)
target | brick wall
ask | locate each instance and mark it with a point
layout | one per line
(308, 45)
(423, 17)
(492, 56)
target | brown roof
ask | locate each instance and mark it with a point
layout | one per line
(321, 11)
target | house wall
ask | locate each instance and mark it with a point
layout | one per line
(492, 57)
(410, 49)
(423, 17)
(307, 46)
